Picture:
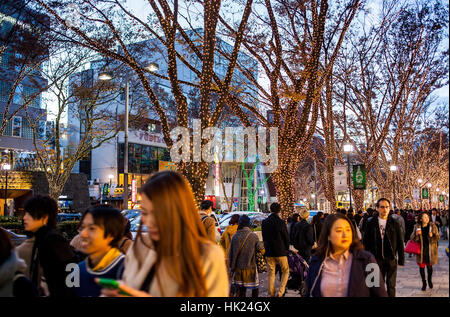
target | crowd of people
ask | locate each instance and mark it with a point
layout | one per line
(178, 255)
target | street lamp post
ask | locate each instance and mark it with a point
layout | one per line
(420, 181)
(110, 176)
(152, 67)
(348, 148)
(393, 170)
(429, 195)
(6, 168)
(437, 193)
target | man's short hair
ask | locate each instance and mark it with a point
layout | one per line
(206, 204)
(40, 206)
(383, 199)
(110, 219)
(275, 208)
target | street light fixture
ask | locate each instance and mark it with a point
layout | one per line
(348, 148)
(393, 169)
(108, 76)
(6, 167)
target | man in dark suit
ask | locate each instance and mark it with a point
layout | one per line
(276, 244)
(383, 238)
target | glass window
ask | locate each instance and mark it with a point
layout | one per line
(41, 130)
(17, 126)
(146, 160)
(137, 157)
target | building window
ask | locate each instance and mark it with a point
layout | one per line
(41, 130)
(17, 127)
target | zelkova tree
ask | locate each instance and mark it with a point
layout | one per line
(424, 24)
(108, 27)
(57, 153)
(287, 41)
(386, 76)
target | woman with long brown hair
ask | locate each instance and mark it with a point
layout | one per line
(176, 257)
(340, 266)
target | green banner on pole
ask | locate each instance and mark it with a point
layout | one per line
(105, 189)
(359, 176)
(425, 193)
(441, 198)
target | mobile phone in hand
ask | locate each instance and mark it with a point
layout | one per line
(111, 284)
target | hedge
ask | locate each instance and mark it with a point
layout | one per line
(7, 219)
(68, 228)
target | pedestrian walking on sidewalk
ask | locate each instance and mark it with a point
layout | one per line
(225, 242)
(339, 266)
(242, 259)
(51, 250)
(205, 216)
(383, 238)
(175, 257)
(304, 236)
(427, 234)
(276, 244)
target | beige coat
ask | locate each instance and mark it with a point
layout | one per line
(213, 266)
(225, 239)
(433, 248)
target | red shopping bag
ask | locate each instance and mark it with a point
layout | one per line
(412, 247)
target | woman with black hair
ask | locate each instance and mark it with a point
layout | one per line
(427, 234)
(339, 266)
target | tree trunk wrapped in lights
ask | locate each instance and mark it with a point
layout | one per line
(101, 33)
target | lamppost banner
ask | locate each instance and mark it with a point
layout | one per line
(340, 178)
(424, 193)
(359, 176)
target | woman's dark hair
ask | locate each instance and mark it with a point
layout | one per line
(324, 244)
(6, 246)
(110, 219)
(275, 208)
(234, 219)
(295, 217)
(41, 206)
(315, 220)
(419, 220)
(127, 232)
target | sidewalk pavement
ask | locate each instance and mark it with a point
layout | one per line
(409, 283)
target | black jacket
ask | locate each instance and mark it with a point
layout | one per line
(304, 238)
(53, 252)
(393, 247)
(275, 236)
(357, 286)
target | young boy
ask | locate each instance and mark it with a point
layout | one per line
(101, 229)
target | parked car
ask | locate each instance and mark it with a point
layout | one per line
(16, 239)
(131, 213)
(135, 226)
(312, 213)
(256, 218)
(68, 217)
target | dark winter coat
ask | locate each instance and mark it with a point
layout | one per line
(53, 252)
(357, 284)
(393, 246)
(304, 238)
(275, 236)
